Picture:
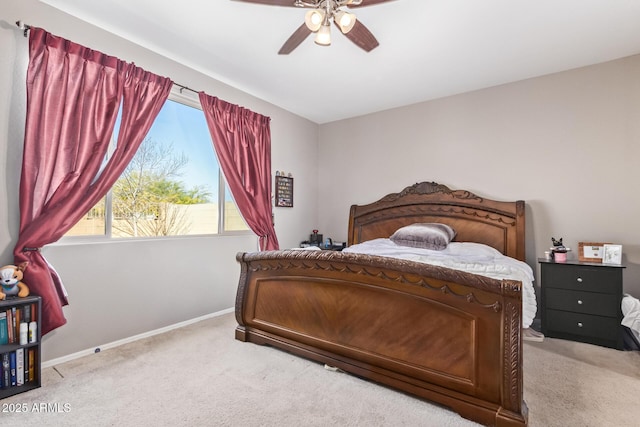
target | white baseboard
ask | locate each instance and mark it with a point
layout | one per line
(113, 344)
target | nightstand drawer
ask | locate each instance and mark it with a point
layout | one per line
(582, 302)
(596, 279)
(582, 324)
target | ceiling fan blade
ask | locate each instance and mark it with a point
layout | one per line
(368, 3)
(289, 3)
(361, 36)
(294, 41)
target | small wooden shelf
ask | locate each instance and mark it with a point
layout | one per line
(30, 351)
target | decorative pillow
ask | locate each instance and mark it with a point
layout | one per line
(431, 235)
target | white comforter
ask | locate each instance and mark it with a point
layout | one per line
(631, 312)
(470, 257)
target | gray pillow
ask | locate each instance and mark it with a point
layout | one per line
(431, 235)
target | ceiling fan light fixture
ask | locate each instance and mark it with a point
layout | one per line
(344, 20)
(318, 18)
(314, 19)
(323, 36)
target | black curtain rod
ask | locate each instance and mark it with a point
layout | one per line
(25, 28)
(182, 87)
(21, 25)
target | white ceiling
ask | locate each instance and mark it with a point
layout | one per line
(428, 48)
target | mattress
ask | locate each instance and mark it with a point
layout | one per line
(465, 256)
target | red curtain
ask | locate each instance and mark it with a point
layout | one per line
(242, 140)
(73, 97)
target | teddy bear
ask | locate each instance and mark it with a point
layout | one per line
(11, 281)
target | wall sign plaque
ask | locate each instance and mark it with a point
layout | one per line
(284, 191)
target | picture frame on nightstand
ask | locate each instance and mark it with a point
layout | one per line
(612, 254)
(590, 251)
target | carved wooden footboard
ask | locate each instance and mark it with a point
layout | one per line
(440, 334)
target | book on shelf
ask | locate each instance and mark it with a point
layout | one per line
(24, 333)
(6, 371)
(20, 366)
(32, 334)
(14, 329)
(4, 332)
(12, 367)
(26, 365)
(32, 364)
(26, 316)
(10, 326)
(17, 318)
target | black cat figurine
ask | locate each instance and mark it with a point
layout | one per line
(557, 243)
(559, 250)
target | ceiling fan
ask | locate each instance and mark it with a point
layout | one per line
(318, 20)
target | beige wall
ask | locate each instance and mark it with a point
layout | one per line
(568, 144)
(124, 288)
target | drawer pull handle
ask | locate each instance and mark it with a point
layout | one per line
(579, 324)
(579, 302)
(579, 279)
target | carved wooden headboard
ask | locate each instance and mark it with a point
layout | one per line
(475, 219)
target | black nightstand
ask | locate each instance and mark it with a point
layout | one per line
(581, 302)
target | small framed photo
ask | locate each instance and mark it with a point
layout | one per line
(284, 191)
(612, 254)
(590, 251)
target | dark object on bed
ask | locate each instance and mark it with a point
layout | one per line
(441, 334)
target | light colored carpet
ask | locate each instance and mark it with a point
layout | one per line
(200, 375)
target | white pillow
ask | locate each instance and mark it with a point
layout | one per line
(430, 235)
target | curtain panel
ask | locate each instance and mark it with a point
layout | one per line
(242, 141)
(73, 97)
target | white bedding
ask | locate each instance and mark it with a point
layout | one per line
(631, 312)
(470, 257)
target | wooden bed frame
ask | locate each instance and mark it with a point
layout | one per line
(443, 335)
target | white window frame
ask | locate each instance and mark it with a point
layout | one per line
(177, 95)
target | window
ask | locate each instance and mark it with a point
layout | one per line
(173, 185)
